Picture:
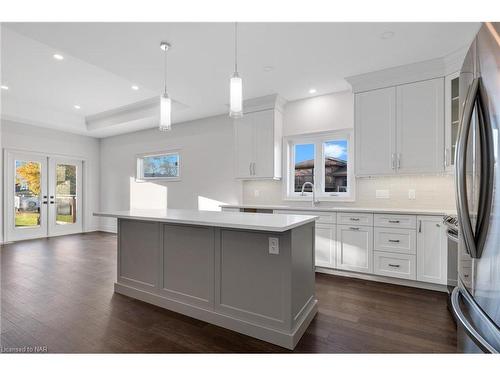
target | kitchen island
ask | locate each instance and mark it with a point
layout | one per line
(251, 273)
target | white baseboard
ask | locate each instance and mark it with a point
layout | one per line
(109, 228)
(383, 279)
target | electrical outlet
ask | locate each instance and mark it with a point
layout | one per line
(382, 194)
(274, 245)
(411, 194)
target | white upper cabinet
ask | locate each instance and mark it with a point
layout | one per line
(375, 134)
(400, 129)
(420, 127)
(258, 138)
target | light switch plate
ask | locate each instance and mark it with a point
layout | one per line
(382, 194)
(411, 194)
(274, 245)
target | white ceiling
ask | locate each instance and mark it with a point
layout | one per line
(103, 60)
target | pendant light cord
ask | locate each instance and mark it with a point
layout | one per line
(236, 46)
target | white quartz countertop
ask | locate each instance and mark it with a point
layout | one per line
(408, 211)
(251, 221)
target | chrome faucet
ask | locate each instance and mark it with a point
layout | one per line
(314, 201)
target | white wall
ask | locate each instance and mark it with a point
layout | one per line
(207, 168)
(320, 113)
(24, 137)
(336, 111)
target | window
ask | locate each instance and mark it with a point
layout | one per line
(159, 166)
(323, 159)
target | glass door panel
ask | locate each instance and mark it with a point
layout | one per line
(65, 196)
(26, 206)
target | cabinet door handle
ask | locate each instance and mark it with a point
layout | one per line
(394, 265)
(354, 219)
(393, 161)
(253, 168)
(399, 161)
(394, 221)
(250, 168)
(420, 226)
(396, 241)
(353, 228)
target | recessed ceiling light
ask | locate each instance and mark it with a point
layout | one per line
(4, 87)
(58, 57)
(76, 106)
(135, 87)
(312, 91)
(387, 35)
(268, 68)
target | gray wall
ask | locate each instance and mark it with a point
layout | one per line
(207, 168)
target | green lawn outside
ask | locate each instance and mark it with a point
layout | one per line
(29, 219)
(26, 219)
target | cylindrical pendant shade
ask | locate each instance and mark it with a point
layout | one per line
(165, 111)
(236, 97)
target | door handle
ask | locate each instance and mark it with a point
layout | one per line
(475, 243)
(487, 170)
(462, 319)
(44, 202)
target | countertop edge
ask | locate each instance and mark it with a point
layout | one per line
(210, 224)
(396, 211)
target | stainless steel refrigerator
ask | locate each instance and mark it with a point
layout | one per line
(476, 299)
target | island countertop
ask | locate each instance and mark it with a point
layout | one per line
(237, 220)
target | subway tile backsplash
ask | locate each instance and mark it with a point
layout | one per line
(430, 191)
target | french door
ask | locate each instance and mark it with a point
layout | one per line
(43, 196)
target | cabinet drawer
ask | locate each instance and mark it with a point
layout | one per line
(354, 218)
(395, 240)
(324, 217)
(402, 266)
(395, 221)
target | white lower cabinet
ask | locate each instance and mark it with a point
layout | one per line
(398, 265)
(432, 250)
(355, 248)
(325, 245)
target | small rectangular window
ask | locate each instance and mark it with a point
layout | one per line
(336, 161)
(304, 166)
(161, 166)
(324, 162)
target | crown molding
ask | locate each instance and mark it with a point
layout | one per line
(262, 103)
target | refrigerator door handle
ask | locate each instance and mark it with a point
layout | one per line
(487, 170)
(479, 340)
(460, 170)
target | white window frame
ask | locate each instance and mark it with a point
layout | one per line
(139, 177)
(319, 174)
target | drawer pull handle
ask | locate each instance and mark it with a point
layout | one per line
(396, 241)
(394, 221)
(394, 265)
(353, 228)
(354, 218)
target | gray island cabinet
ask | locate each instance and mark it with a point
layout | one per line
(251, 273)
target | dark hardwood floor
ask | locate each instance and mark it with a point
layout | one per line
(58, 293)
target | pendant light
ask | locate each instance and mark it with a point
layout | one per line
(236, 84)
(165, 101)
